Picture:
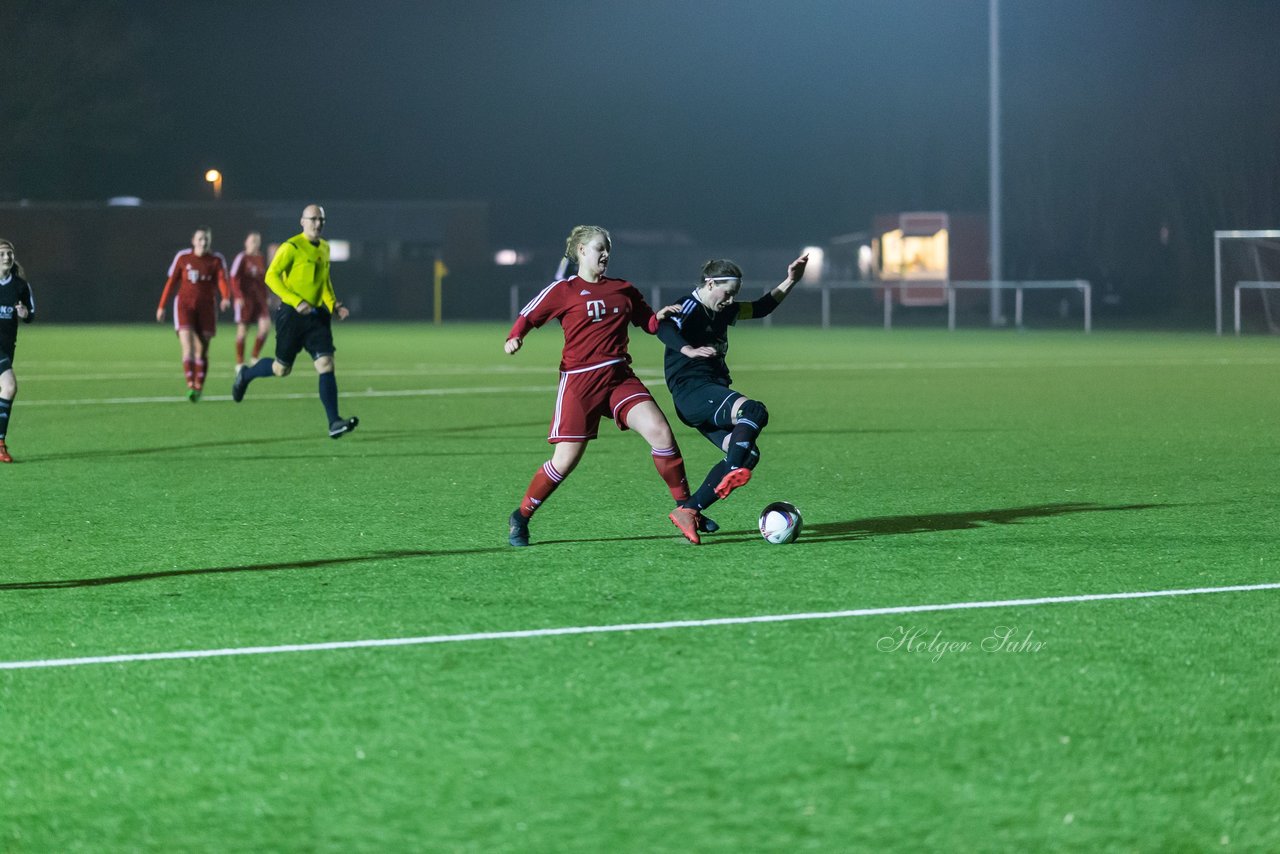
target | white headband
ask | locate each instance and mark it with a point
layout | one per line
(715, 280)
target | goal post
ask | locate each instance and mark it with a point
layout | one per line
(1246, 270)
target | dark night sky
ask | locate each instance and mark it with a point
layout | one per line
(779, 121)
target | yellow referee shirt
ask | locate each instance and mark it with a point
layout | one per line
(300, 272)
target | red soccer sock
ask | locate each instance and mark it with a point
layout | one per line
(257, 345)
(202, 368)
(671, 466)
(240, 351)
(545, 480)
(189, 370)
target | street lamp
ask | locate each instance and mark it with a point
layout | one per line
(214, 177)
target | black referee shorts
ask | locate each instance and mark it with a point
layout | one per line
(297, 331)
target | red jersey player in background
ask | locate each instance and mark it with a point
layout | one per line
(249, 294)
(193, 275)
(596, 378)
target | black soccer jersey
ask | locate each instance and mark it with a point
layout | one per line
(699, 326)
(13, 290)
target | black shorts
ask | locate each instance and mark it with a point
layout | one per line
(295, 331)
(6, 360)
(707, 407)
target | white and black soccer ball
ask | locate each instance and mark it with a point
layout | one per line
(780, 523)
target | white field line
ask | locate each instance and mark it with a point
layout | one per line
(310, 395)
(625, 627)
(643, 373)
(156, 371)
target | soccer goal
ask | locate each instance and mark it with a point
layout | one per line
(1246, 273)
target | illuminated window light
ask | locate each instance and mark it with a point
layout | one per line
(509, 258)
(813, 270)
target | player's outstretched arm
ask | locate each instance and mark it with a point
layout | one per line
(795, 271)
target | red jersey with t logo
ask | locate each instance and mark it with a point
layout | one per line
(595, 317)
(195, 277)
(248, 277)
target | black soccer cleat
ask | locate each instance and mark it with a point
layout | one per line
(240, 385)
(518, 525)
(707, 526)
(342, 427)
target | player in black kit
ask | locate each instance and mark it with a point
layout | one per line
(697, 341)
(16, 304)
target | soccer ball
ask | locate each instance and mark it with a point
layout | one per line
(780, 523)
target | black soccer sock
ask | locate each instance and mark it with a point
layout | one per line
(260, 368)
(5, 407)
(741, 441)
(329, 395)
(706, 494)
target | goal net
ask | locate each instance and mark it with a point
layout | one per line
(1247, 280)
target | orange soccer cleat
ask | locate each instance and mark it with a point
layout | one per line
(686, 519)
(732, 480)
(4, 453)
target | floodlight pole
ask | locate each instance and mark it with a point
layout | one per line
(993, 159)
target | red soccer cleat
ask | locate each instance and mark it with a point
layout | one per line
(4, 453)
(732, 480)
(686, 519)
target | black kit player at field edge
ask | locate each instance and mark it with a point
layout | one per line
(16, 304)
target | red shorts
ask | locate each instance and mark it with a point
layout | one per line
(254, 309)
(587, 395)
(197, 314)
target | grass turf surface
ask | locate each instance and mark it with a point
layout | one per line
(931, 468)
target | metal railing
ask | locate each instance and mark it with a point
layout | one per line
(825, 290)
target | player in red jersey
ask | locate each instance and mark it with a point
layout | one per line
(596, 378)
(249, 295)
(193, 276)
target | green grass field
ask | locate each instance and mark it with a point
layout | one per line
(932, 469)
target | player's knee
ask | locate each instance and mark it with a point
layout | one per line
(280, 369)
(8, 385)
(755, 412)
(324, 365)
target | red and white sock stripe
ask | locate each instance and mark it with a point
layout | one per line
(550, 471)
(673, 451)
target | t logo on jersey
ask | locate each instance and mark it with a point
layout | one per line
(595, 308)
(193, 275)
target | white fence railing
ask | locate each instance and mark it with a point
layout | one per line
(825, 289)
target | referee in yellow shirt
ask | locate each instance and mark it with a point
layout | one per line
(299, 275)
